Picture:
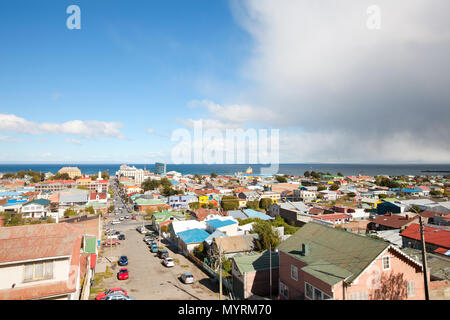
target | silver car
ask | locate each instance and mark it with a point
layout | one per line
(118, 296)
(187, 278)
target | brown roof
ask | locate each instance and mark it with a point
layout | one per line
(202, 213)
(37, 291)
(37, 241)
(393, 221)
(233, 244)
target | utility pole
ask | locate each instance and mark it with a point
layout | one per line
(424, 259)
(270, 269)
(220, 272)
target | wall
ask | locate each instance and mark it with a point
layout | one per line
(14, 273)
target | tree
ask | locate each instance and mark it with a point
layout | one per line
(111, 208)
(281, 179)
(16, 219)
(307, 174)
(229, 203)
(340, 174)
(90, 210)
(194, 205)
(321, 188)
(389, 287)
(213, 175)
(351, 194)
(70, 212)
(253, 204)
(268, 237)
(265, 203)
(334, 187)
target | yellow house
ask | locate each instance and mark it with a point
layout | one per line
(203, 199)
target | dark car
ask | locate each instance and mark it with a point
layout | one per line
(121, 237)
(123, 261)
(162, 254)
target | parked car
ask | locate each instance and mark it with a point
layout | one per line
(123, 261)
(133, 218)
(103, 295)
(121, 237)
(111, 243)
(121, 218)
(168, 262)
(163, 253)
(118, 296)
(115, 222)
(187, 278)
(112, 236)
(154, 249)
(123, 274)
(127, 217)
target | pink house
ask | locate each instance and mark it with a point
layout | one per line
(323, 263)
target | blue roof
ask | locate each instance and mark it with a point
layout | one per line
(216, 223)
(409, 190)
(9, 194)
(256, 214)
(193, 235)
(22, 200)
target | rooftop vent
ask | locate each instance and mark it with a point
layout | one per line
(306, 250)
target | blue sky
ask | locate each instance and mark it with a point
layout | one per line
(134, 62)
(116, 90)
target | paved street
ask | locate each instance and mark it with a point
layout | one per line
(149, 278)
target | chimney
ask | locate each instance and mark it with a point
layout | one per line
(305, 249)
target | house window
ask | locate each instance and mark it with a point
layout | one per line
(410, 289)
(38, 271)
(308, 290)
(362, 295)
(284, 290)
(386, 262)
(312, 293)
(294, 272)
(317, 294)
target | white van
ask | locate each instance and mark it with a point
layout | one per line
(115, 222)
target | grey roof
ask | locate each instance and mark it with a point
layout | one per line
(237, 214)
(439, 266)
(215, 234)
(69, 197)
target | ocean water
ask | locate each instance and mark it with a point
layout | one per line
(230, 169)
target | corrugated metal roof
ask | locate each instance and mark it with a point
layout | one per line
(256, 262)
(333, 250)
(193, 236)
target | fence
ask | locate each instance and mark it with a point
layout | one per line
(227, 283)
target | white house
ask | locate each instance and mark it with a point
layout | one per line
(36, 208)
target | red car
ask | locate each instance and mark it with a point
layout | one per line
(133, 218)
(102, 295)
(122, 274)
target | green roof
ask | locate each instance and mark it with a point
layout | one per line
(91, 244)
(334, 254)
(149, 202)
(255, 262)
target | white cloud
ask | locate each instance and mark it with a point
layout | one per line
(238, 113)
(352, 93)
(9, 139)
(73, 141)
(87, 129)
(210, 124)
(46, 155)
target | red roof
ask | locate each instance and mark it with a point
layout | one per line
(333, 216)
(37, 241)
(436, 236)
(101, 195)
(93, 260)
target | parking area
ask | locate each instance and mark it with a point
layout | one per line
(149, 279)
